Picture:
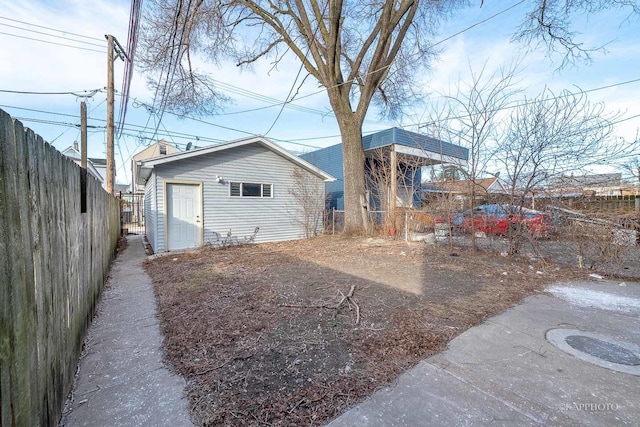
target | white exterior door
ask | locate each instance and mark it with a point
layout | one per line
(183, 216)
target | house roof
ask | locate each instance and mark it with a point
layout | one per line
(482, 185)
(586, 181)
(154, 151)
(410, 145)
(145, 166)
(415, 141)
(75, 155)
(98, 161)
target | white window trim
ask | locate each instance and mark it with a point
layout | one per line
(261, 184)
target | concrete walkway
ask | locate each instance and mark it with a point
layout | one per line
(122, 379)
(508, 371)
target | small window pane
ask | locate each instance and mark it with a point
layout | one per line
(235, 189)
(266, 190)
(251, 190)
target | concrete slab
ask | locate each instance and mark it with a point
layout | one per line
(505, 372)
(122, 380)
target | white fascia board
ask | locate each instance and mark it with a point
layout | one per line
(436, 157)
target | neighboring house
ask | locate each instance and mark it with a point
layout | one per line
(93, 170)
(481, 187)
(101, 167)
(197, 197)
(606, 184)
(486, 190)
(160, 148)
(408, 150)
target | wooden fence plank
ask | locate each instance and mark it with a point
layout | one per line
(7, 416)
(53, 265)
(26, 297)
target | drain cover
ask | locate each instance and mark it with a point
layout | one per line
(597, 349)
(603, 350)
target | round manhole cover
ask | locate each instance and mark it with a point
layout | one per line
(603, 350)
(597, 349)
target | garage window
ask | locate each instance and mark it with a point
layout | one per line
(249, 189)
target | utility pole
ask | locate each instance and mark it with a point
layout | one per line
(83, 134)
(113, 48)
(83, 156)
(110, 132)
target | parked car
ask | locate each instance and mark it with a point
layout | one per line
(499, 219)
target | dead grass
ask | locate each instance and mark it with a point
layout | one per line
(255, 331)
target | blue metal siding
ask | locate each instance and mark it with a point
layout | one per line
(330, 160)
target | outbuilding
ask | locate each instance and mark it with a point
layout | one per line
(245, 190)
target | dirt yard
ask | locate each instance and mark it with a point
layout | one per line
(260, 335)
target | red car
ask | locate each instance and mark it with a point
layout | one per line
(498, 219)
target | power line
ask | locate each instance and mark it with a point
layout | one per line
(53, 35)
(533, 101)
(54, 43)
(189, 137)
(431, 46)
(52, 29)
(173, 61)
(132, 42)
(90, 111)
(293, 85)
(297, 141)
(476, 24)
(415, 124)
(78, 93)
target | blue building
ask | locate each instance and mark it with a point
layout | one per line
(409, 151)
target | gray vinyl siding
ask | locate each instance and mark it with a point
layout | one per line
(276, 216)
(150, 211)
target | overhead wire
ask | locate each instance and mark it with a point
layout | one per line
(90, 111)
(78, 93)
(52, 35)
(51, 29)
(525, 103)
(132, 42)
(174, 60)
(430, 46)
(54, 43)
(293, 85)
(184, 116)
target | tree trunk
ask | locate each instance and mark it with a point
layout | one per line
(355, 215)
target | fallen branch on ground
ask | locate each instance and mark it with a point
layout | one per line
(348, 298)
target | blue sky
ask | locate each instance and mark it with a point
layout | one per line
(35, 66)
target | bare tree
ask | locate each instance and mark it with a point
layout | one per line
(632, 166)
(548, 25)
(360, 52)
(548, 136)
(473, 121)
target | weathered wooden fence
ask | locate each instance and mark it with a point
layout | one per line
(53, 264)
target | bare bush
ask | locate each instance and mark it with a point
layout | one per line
(308, 193)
